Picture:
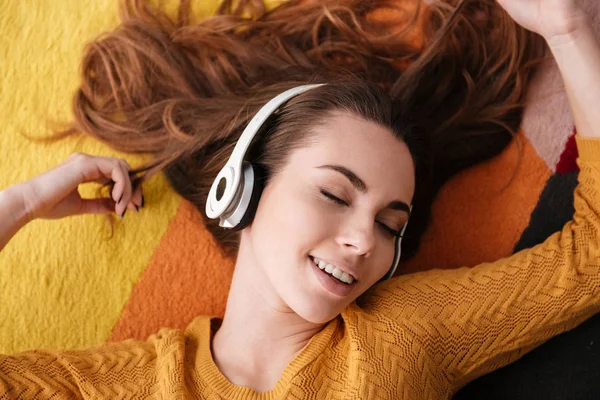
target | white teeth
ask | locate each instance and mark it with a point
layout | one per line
(333, 270)
(347, 278)
(337, 273)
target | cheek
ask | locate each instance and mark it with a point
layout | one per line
(291, 220)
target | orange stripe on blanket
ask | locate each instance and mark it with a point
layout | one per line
(474, 219)
(187, 276)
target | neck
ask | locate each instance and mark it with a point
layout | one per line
(259, 335)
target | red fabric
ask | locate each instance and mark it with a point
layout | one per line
(569, 156)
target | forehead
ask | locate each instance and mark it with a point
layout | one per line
(368, 149)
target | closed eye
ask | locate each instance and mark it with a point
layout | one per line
(333, 198)
(391, 232)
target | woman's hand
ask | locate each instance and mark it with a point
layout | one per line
(54, 194)
(549, 18)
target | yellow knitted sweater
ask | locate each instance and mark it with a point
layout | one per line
(418, 336)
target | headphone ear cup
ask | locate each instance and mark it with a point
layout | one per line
(257, 189)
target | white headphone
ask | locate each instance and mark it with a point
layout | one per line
(398, 250)
(240, 184)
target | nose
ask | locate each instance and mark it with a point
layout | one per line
(358, 237)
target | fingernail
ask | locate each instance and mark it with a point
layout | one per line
(122, 215)
(142, 201)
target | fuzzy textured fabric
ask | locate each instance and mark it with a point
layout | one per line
(65, 284)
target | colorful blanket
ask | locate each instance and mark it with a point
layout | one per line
(66, 284)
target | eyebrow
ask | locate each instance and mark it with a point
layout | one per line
(361, 186)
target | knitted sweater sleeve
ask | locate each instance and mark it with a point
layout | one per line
(128, 369)
(471, 321)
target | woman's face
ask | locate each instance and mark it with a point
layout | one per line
(366, 168)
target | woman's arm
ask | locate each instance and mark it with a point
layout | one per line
(54, 194)
(468, 322)
(13, 215)
(471, 321)
(131, 369)
(490, 315)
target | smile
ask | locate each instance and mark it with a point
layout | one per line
(330, 283)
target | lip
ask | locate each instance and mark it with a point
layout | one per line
(330, 283)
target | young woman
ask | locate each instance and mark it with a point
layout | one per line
(343, 163)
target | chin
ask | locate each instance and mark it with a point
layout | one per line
(314, 309)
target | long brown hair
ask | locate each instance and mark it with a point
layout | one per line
(183, 91)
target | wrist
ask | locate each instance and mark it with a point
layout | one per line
(570, 33)
(13, 200)
(13, 213)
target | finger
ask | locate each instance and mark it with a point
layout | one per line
(118, 170)
(132, 191)
(94, 168)
(122, 186)
(136, 199)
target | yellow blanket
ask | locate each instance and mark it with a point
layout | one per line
(56, 274)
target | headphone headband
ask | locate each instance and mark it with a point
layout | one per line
(398, 250)
(232, 171)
